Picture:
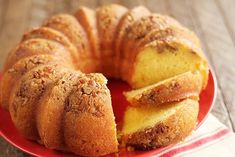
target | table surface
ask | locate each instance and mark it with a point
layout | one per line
(212, 20)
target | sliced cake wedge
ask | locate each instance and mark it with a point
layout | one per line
(176, 88)
(149, 127)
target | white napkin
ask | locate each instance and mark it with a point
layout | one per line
(211, 139)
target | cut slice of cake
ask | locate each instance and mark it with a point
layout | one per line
(176, 88)
(165, 58)
(124, 25)
(137, 31)
(148, 127)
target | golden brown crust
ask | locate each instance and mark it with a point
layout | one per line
(89, 110)
(162, 34)
(51, 34)
(34, 47)
(125, 22)
(87, 19)
(187, 85)
(141, 27)
(12, 75)
(50, 111)
(108, 18)
(26, 94)
(169, 131)
(69, 26)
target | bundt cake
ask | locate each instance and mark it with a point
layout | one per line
(55, 89)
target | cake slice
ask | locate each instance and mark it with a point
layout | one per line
(126, 21)
(87, 19)
(13, 75)
(89, 125)
(26, 94)
(149, 127)
(165, 58)
(70, 27)
(108, 18)
(52, 34)
(50, 111)
(137, 31)
(35, 47)
(141, 27)
(168, 32)
(186, 85)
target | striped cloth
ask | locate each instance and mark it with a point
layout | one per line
(211, 139)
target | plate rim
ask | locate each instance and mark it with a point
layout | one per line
(214, 97)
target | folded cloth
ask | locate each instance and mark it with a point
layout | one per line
(211, 139)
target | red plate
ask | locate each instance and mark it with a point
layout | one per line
(9, 132)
